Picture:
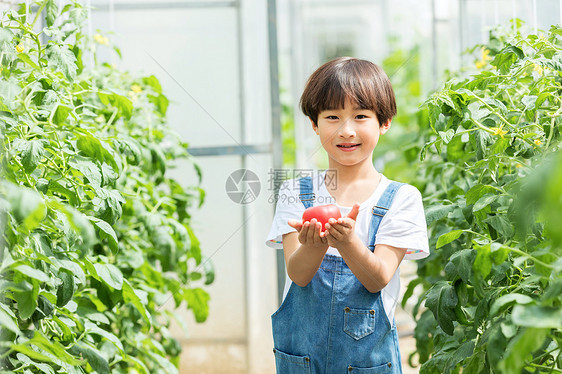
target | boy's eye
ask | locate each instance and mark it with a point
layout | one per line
(361, 116)
(332, 117)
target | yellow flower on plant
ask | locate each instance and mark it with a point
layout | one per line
(100, 39)
(538, 142)
(136, 88)
(539, 69)
(518, 166)
(484, 59)
(499, 131)
(20, 48)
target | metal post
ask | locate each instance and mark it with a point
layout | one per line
(434, 44)
(483, 11)
(461, 30)
(245, 231)
(535, 16)
(276, 138)
(514, 16)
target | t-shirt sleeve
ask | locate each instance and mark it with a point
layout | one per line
(288, 207)
(404, 224)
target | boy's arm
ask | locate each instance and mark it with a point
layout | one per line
(304, 251)
(373, 269)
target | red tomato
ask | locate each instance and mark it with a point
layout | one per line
(322, 213)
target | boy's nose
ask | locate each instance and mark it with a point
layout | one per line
(346, 129)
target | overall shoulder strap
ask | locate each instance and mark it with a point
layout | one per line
(306, 195)
(380, 209)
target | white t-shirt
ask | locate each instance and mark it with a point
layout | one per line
(403, 226)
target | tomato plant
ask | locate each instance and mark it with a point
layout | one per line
(491, 177)
(95, 237)
(322, 213)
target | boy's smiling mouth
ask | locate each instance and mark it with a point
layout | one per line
(348, 146)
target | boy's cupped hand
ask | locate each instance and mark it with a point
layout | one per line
(310, 233)
(340, 232)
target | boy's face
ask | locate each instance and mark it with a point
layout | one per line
(349, 135)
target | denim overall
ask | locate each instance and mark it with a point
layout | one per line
(334, 325)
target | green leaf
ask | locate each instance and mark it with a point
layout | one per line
(30, 272)
(461, 353)
(25, 58)
(441, 300)
(165, 365)
(476, 192)
(65, 291)
(31, 154)
(519, 350)
(6, 35)
(501, 224)
(153, 82)
(26, 298)
(477, 110)
(94, 357)
(507, 57)
(448, 237)
(89, 170)
(9, 89)
(53, 347)
(91, 146)
(8, 321)
(107, 232)
(110, 275)
(137, 364)
(198, 301)
(52, 12)
(508, 300)
(71, 196)
(447, 135)
(30, 352)
(209, 270)
(94, 329)
(61, 114)
(482, 262)
(463, 261)
(160, 102)
(94, 148)
(484, 201)
(123, 104)
(61, 58)
(130, 296)
(410, 290)
(27, 206)
(537, 316)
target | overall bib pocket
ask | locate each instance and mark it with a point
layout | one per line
(291, 364)
(358, 323)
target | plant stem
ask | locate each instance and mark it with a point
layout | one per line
(525, 254)
(482, 127)
(545, 367)
(38, 14)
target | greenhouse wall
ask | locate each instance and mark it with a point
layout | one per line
(212, 61)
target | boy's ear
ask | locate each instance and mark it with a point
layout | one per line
(385, 126)
(314, 125)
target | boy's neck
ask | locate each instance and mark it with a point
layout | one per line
(350, 174)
